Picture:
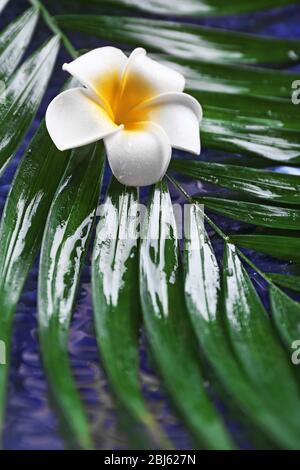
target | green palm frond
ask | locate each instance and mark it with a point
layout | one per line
(70, 219)
(14, 41)
(288, 281)
(22, 98)
(287, 325)
(2, 4)
(21, 228)
(183, 305)
(267, 185)
(204, 298)
(184, 40)
(116, 301)
(278, 246)
(256, 347)
(277, 217)
(232, 79)
(167, 326)
(192, 7)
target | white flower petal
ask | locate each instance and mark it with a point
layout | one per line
(179, 115)
(74, 119)
(145, 78)
(101, 70)
(139, 157)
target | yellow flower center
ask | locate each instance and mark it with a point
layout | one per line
(123, 97)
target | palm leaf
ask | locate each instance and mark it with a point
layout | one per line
(185, 41)
(14, 41)
(281, 247)
(285, 280)
(167, 326)
(282, 188)
(250, 108)
(64, 247)
(21, 229)
(225, 131)
(252, 213)
(22, 98)
(233, 79)
(116, 306)
(256, 347)
(3, 4)
(203, 297)
(286, 314)
(193, 7)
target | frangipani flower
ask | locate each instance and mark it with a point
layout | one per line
(135, 104)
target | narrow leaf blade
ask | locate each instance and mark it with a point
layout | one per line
(193, 7)
(167, 326)
(256, 347)
(283, 188)
(286, 248)
(203, 294)
(14, 41)
(184, 40)
(286, 280)
(224, 130)
(116, 306)
(22, 98)
(286, 313)
(65, 244)
(21, 229)
(253, 213)
(232, 79)
(3, 4)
